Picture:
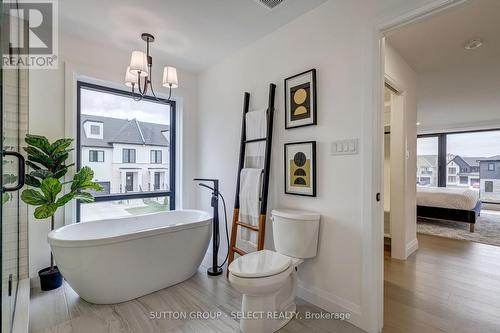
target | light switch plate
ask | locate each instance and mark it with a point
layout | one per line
(344, 147)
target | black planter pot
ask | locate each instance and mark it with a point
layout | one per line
(50, 280)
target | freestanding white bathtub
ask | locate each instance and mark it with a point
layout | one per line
(113, 261)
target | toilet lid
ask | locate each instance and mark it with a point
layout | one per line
(260, 264)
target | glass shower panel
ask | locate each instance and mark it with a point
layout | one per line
(13, 212)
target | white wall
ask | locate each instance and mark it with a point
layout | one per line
(403, 154)
(53, 109)
(459, 97)
(336, 39)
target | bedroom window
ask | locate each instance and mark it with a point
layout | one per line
(135, 145)
(96, 155)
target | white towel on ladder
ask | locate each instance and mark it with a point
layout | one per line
(256, 128)
(250, 188)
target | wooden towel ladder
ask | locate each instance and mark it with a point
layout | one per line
(261, 228)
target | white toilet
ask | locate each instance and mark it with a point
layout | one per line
(268, 279)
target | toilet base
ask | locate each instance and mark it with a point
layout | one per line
(269, 313)
(264, 321)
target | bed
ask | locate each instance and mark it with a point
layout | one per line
(454, 204)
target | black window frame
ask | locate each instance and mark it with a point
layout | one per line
(171, 193)
(155, 153)
(442, 153)
(491, 164)
(129, 156)
(97, 155)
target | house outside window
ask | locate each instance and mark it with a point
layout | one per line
(96, 156)
(488, 186)
(452, 170)
(155, 156)
(131, 151)
(452, 179)
(128, 155)
(464, 180)
(491, 166)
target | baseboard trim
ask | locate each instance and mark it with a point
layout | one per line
(411, 247)
(331, 303)
(22, 312)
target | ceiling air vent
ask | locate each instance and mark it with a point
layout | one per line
(270, 4)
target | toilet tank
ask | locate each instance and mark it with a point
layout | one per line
(295, 232)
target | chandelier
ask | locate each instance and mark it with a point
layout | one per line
(138, 75)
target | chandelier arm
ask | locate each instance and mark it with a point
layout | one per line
(137, 99)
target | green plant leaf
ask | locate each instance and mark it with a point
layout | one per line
(60, 173)
(32, 165)
(9, 179)
(39, 142)
(65, 199)
(45, 211)
(6, 198)
(42, 174)
(60, 145)
(32, 181)
(51, 187)
(85, 197)
(33, 197)
(44, 160)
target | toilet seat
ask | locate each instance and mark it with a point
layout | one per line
(260, 264)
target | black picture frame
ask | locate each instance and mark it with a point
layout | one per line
(314, 99)
(313, 168)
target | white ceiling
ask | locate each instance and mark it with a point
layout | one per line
(438, 41)
(192, 34)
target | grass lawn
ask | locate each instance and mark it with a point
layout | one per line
(151, 207)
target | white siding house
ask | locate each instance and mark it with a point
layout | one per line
(126, 155)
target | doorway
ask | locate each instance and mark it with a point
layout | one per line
(129, 182)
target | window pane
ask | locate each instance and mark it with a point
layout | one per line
(427, 161)
(122, 145)
(122, 208)
(476, 156)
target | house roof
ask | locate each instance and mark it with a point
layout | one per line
(125, 131)
(427, 160)
(492, 158)
(471, 161)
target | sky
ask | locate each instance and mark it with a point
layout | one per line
(109, 105)
(479, 144)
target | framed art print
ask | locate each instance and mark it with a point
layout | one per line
(300, 168)
(300, 100)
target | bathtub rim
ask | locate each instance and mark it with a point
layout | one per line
(204, 219)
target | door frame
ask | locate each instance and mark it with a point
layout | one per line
(373, 229)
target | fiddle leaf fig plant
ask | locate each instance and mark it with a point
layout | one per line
(48, 163)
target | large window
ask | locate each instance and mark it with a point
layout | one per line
(131, 148)
(96, 156)
(156, 156)
(427, 161)
(463, 160)
(128, 155)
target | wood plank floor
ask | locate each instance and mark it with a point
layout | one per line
(62, 311)
(446, 286)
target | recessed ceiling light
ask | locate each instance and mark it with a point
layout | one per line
(473, 44)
